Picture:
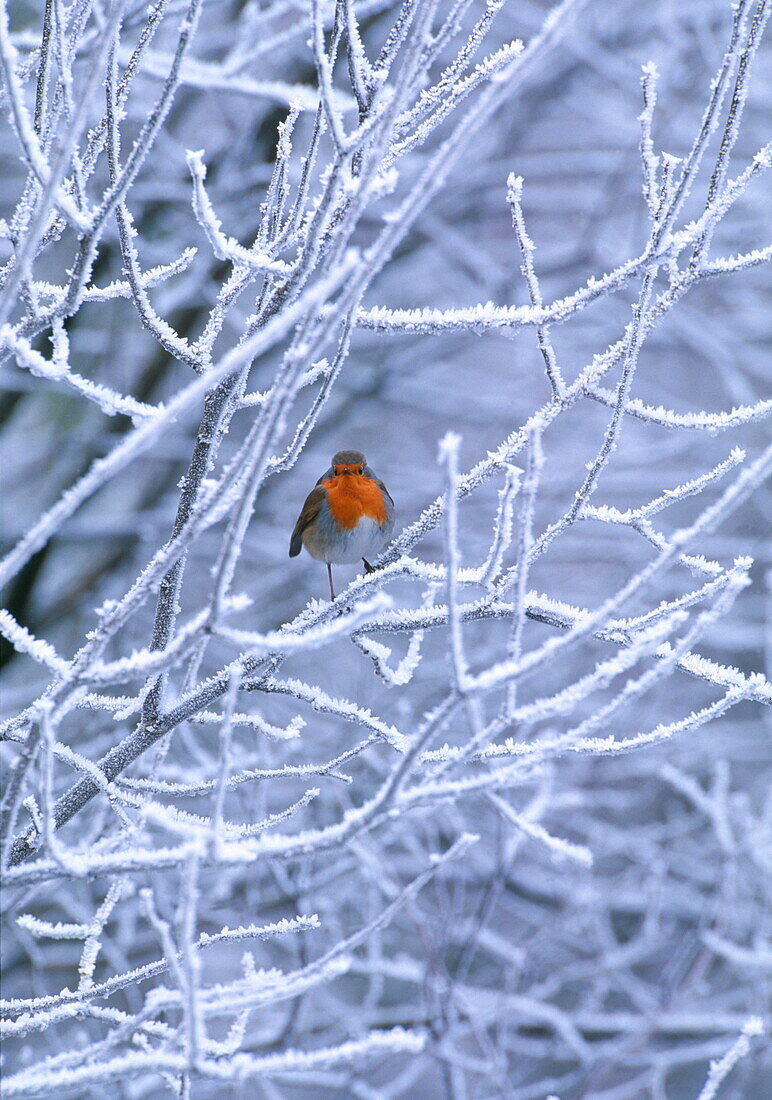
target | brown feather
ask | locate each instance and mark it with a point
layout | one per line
(308, 514)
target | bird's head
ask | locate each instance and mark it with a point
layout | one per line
(348, 462)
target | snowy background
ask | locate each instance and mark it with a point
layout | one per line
(507, 871)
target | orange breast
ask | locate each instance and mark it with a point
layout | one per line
(352, 497)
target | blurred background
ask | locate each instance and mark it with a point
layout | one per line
(661, 878)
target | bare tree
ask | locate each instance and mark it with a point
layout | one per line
(506, 879)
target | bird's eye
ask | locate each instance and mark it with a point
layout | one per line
(361, 469)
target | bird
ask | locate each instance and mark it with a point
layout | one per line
(348, 515)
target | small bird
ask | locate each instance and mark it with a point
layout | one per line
(348, 516)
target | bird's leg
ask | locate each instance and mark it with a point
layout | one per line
(368, 568)
(329, 575)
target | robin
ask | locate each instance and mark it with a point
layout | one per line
(348, 516)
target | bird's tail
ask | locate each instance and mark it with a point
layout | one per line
(296, 542)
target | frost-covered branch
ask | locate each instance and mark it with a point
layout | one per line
(232, 809)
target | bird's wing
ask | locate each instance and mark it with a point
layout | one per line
(369, 472)
(308, 514)
(384, 490)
